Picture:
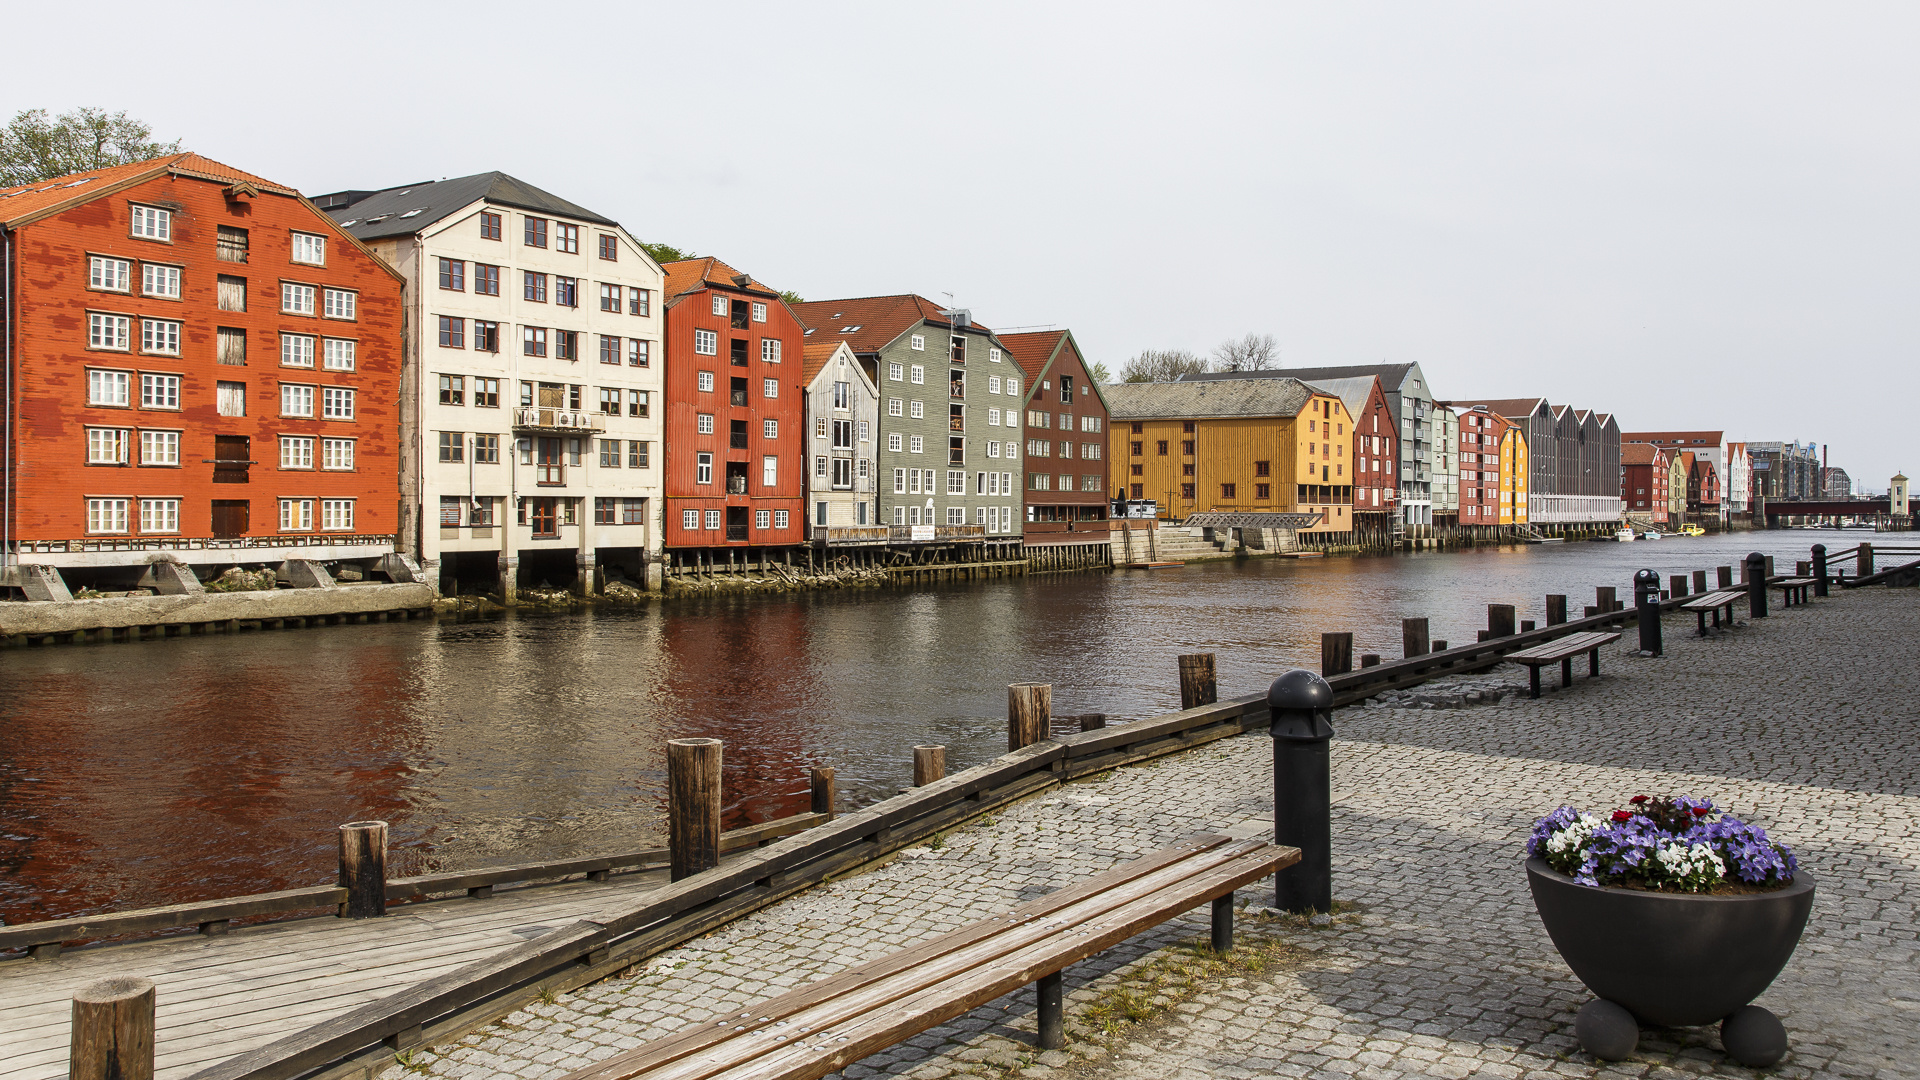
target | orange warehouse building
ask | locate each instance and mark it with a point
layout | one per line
(200, 366)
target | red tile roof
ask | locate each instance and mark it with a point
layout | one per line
(867, 323)
(1639, 453)
(692, 275)
(1511, 408)
(50, 196)
(1032, 351)
(814, 356)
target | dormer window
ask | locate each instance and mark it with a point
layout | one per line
(150, 222)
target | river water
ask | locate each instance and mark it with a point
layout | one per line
(165, 771)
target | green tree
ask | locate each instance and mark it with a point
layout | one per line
(1161, 365)
(1099, 373)
(34, 147)
(665, 253)
(792, 297)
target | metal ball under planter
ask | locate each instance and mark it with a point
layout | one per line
(1673, 959)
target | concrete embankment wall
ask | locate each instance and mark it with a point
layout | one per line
(121, 612)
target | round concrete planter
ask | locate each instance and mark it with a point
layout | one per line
(1671, 959)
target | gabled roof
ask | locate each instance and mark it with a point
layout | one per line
(1213, 398)
(1391, 375)
(692, 275)
(19, 205)
(816, 355)
(1033, 351)
(1511, 408)
(1640, 454)
(409, 208)
(1353, 392)
(868, 323)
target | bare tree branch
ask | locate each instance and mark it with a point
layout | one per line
(1161, 365)
(1255, 352)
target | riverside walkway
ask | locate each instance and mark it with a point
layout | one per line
(1436, 966)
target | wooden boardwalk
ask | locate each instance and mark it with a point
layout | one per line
(222, 996)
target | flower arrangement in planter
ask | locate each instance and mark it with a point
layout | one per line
(1673, 914)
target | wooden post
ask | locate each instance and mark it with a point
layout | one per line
(112, 1030)
(1500, 620)
(1197, 686)
(929, 764)
(1603, 598)
(1526, 626)
(1770, 574)
(1029, 713)
(1723, 577)
(1439, 645)
(1677, 586)
(363, 869)
(1556, 609)
(1803, 569)
(693, 806)
(1863, 562)
(1699, 581)
(1368, 660)
(823, 790)
(1413, 637)
(1336, 653)
(1093, 721)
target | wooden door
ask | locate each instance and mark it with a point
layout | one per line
(230, 520)
(230, 459)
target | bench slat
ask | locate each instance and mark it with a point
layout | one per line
(1040, 932)
(1562, 648)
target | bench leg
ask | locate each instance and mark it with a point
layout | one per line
(1533, 680)
(1223, 924)
(1566, 672)
(1053, 1018)
(1593, 663)
(1703, 621)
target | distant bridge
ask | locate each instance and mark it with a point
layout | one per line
(1879, 507)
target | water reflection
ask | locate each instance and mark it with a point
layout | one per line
(165, 771)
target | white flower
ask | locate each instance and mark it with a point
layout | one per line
(1685, 862)
(1574, 836)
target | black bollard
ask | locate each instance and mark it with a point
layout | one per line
(1757, 585)
(1819, 569)
(1302, 705)
(1646, 598)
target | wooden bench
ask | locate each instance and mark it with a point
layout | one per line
(828, 1025)
(1793, 590)
(1563, 650)
(1713, 603)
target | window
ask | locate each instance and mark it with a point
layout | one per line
(453, 389)
(895, 372)
(486, 280)
(113, 275)
(770, 388)
(610, 251)
(106, 446)
(993, 355)
(296, 515)
(159, 391)
(1186, 491)
(1013, 386)
(1039, 481)
(1090, 451)
(1186, 447)
(916, 445)
(566, 344)
(610, 298)
(893, 441)
(296, 299)
(230, 398)
(1013, 449)
(916, 409)
(843, 434)
(1263, 468)
(704, 380)
(993, 449)
(718, 304)
(533, 286)
(639, 455)
(769, 429)
(919, 374)
(713, 519)
(690, 519)
(959, 352)
(161, 336)
(638, 403)
(533, 341)
(150, 222)
(956, 482)
(1066, 389)
(489, 225)
(895, 407)
(566, 238)
(486, 336)
(639, 353)
(536, 232)
(338, 354)
(864, 435)
(230, 244)
(109, 331)
(769, 471)
(1039, 448)
(159, 515)
(106, 515)
(337, 454)
(1263, 491)
(1227, 490)
(609, 456)
(163, 281)
(706, 343)
(703, 463)
(336, 515)
(769, 347)
(703, 422)
(159, 448)
(296, 452)
(639, 301)
(1090, 424)
(566, 291)
(336, 403)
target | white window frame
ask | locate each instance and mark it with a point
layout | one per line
(780, 519)
(1013, 386)
(113, 333)
(703, 423)
(159, 390)
(106, 446)
(103, 271)
(149, 222)
(762, 519)
(918, 343)
(896, 407)
(706, 343)
(296, 515)
(769, 470)
(159, 516)
(297, 399)
(336, 515)
(713, 519)
(896, 372)
(166, 277)
(106, 517)
(331, 398)
(993, 417)
(917, 375)
(917, 410)
(720, 306)
(759, 311)
(298, 299)
(993, 355)
(770, 349)
(159, 448)
(296, 350)
(340, 354)
(690, 519)
(916, 445)
(296, 452)
(108, 387)
(893, 442)
(160, 337)
(703, 467)
(770, 388)
(769, 429)
(993, 384)
(309, 249)
(342, 304)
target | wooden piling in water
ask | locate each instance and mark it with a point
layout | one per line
(823, 791)
(1413, 637)
(1368, 660)
(1556, 609)
(1500, 620)
(1723, 576)
(363, 869)
(929, 764)
(112, 1034)
(1029, 714)
(1603, 597)
(1439, 645)
(1197, 685)
(1336, 653)
(693, 806)
(1677, 586)
(1699, 581)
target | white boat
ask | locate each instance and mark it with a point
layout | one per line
(1623, 534)
(1651, 534)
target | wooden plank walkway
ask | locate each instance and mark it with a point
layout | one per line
(222, 996)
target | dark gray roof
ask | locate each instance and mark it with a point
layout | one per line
(380, 214)
(1353, 393)
(1391, 375)
(1270, 396)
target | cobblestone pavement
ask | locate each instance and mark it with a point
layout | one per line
(1804, 722)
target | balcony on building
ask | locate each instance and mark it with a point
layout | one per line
(736, 478)
(527, 418)
(738, 394)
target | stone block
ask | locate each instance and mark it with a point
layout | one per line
(169, 578)
(305, 574)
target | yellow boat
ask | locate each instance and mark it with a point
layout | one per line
(1692, 530)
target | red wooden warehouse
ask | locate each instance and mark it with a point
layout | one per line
(735, 412)
(198, 362)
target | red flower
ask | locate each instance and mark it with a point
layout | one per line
(1701, 811)
(1637, 799)
(1622, 815)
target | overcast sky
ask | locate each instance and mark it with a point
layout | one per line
(1692, 215)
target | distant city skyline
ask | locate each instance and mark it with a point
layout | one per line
(1690, 217)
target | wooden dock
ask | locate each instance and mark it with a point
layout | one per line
(223, 996)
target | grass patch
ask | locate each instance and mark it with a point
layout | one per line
(1178, 974)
